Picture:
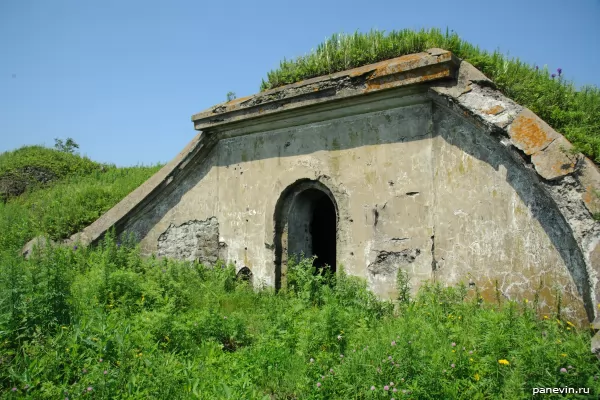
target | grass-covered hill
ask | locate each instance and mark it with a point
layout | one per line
(105, 323)
(573, 112)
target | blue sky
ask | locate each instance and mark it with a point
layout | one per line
(122, 78)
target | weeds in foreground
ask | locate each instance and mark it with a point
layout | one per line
(105, 323)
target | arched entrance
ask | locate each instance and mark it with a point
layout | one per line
(305, 223)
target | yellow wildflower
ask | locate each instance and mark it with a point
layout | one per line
(564, 354)
(470, 359)
(570, 323)
(545, 317)
(477, 377)
(503, 362)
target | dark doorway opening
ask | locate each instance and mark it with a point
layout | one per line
(305, 223)
(322, 229)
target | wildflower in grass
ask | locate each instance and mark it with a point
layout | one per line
(386, 388)
(372, 387)
(453, 344)
(339, 337)
(452, 365)
(341, 356)
(564, 354)
(563, 370)
(331, 370)
(391, 383)
(559, 70)
(477, 377)
(100, 360)
(74, 247)
(14, 389)
(89, 389)
(389, 357)
(393, 342)
(470, 351)
(410, 341)
(105, 372)
(318, 384)
(503, 362)
(312, 360)
(569, 322)
(570, 367)
(394, 390)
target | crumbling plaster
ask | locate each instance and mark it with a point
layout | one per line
(432, 169)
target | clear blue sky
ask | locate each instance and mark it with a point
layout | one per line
(122, 78)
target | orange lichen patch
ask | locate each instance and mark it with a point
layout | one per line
(407, 78)
(396, 65)
(495, 110)
(529, 133)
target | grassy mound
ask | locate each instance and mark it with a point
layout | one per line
(574, 113)
(35, 166)
(78, 192)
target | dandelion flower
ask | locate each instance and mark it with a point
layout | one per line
(503, 362)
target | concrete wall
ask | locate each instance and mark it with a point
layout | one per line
(417, 187)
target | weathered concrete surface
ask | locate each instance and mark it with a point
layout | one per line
(430, 170)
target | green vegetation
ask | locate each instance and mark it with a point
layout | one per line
(105, 323)
(574, 113)
(79, 192)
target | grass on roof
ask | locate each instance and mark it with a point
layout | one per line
(573, 112)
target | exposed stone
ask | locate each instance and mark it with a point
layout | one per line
(589, 178)
(191, 241)
(530, 134)
(388, 262)
(556, 160)
(39, 242)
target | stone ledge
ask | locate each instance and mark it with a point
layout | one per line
(435, 64)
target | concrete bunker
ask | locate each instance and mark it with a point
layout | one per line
(305, 224)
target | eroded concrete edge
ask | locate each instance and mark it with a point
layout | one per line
(432, 65)
(570, 179)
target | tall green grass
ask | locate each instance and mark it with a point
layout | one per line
(104, 323)
(573, 112)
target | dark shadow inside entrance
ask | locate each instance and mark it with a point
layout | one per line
(305, 224)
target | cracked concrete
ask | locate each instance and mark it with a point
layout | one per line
(430, 168)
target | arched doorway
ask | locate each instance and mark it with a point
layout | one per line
(305, 223)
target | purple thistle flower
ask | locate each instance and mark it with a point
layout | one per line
(553, 76)
(559, 70)
(386, 388)
(563, 370)
(74, 247)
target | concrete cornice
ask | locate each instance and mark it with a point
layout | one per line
(432, 65)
